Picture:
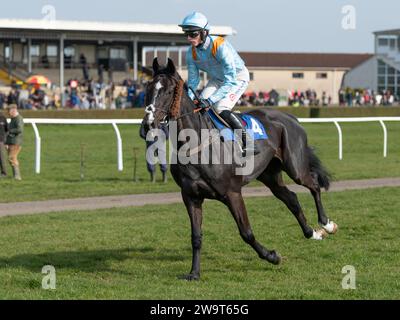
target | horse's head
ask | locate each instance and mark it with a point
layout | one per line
(163, 94)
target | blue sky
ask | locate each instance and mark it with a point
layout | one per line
(269, 25)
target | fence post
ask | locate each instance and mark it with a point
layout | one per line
(340, 140)
(119, 147)
(384, 138)
(38, 146)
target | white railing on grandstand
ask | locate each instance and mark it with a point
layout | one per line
(115, 122)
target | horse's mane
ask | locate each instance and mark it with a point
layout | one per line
(176, 105)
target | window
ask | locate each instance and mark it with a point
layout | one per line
(35, 50)
(383, 42)
(322, 75)
(381, 68)
(117, 53)
(52, 51)
(251, 76)
(69, 51)
(297, 75)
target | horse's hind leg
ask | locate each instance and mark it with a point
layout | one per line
(311, 183)
(272, 178)
(234, 201)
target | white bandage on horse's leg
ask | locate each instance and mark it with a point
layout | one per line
(330, 227)
(317, 235)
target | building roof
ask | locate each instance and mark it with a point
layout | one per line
(388, 32)
(93, 26)
(303, 60)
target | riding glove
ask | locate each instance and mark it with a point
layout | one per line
(205, 103)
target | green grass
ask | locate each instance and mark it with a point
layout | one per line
(60, 177)
(138, 253)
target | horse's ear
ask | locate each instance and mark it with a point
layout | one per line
(156, 66)
(171, 67)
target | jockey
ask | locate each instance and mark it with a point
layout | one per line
(227, 72)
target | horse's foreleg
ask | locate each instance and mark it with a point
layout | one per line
(195, 211)
(234, 201)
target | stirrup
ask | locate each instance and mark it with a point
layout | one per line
(247, 150)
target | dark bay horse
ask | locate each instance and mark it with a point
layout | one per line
(286, 149)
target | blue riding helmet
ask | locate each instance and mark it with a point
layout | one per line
(195, 21)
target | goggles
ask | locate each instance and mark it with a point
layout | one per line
(192, 34)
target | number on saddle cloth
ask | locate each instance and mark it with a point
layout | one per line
(253, 127)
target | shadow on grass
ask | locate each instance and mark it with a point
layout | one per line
(88, 260)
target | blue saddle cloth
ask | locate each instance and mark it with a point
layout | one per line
(253, 126)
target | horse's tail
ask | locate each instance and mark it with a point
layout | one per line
(324, 177)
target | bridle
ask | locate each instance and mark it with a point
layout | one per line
(174, 110)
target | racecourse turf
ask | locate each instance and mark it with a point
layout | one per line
(61, 157)
(139, 253)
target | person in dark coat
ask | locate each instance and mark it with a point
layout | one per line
(14, 139)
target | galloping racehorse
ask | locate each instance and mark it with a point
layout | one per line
(286, 149)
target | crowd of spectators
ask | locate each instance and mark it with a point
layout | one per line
(293, 98)
(90, 94)
(360, 97)
(77, 95)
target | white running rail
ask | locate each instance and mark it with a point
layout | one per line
(115, 122)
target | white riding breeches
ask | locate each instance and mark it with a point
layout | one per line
(232, 98)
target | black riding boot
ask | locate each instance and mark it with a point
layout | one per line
(236, 123)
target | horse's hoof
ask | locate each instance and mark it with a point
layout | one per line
(331, 227)
(320, 234)
(190, 277)
(274, 258)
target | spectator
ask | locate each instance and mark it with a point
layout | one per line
(85, 70)
(324, 99)
(139, 102)
(161, 152)
(12, 97)
(3, 135)
(14, 139)
(131, 95)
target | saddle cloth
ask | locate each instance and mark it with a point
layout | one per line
(253, 126)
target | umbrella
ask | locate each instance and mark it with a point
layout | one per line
(38, 79)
